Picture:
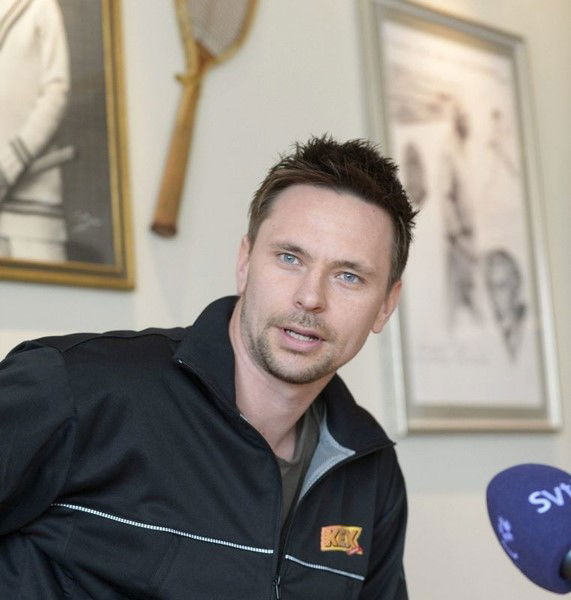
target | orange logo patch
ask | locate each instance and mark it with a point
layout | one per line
(343, 538)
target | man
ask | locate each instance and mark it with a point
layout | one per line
(224, 460)
(34, 69)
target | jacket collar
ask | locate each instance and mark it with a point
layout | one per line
(207, 350)
(350, 424)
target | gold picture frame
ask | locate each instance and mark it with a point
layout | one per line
(95, 248)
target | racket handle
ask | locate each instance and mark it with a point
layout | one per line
(170, 193)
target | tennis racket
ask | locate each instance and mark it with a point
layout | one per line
(211, 31)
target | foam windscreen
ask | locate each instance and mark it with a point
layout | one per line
(530, 510)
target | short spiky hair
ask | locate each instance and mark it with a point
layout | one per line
(356, 167)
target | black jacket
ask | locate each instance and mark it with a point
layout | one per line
(126, 471)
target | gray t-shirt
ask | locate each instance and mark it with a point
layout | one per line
(293, 472)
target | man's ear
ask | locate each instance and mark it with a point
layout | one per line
(242, 265)
(388, 306)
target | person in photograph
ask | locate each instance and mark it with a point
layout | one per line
(459, 226)
(504, 283)
(34, 71)
(500, 143)
(226, 459)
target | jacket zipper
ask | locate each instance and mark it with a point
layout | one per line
(287, 525)
(277, 587)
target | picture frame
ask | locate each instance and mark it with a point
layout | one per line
(473, 345)
(65, 214)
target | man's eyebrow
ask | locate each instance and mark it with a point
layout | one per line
(289, 247)
(350, 265)
(354, 266)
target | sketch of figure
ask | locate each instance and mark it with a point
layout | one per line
(461, 254)
(417, 96)
(414, 175)
(504, 284)
(34, 87)
(499, 141)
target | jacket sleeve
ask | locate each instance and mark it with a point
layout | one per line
(385, 578)
(37, 429)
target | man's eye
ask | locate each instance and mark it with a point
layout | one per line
(349, 278)
(288, 259)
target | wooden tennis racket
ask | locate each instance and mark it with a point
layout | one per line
(211, 31)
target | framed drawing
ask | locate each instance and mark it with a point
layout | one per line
(473, 347)
(64, 193)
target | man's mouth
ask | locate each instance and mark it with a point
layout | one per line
(302, 337)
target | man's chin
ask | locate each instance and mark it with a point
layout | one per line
(298, 374)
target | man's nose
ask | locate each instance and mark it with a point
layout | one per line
(311, 293)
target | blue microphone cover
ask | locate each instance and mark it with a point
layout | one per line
(530, 510)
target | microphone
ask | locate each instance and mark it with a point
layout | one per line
(530, 510)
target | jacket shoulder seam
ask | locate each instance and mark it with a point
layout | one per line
(102, 336)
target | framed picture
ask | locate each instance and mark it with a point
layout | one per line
(473, 346)
(64, 192)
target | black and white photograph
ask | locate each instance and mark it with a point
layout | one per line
(63, 176)
(452, 109)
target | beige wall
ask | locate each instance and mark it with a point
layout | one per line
(300, 73)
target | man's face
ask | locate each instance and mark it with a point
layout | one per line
(314, 283)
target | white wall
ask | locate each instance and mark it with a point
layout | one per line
(300, 73)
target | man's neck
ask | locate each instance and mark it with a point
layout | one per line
(269, 404)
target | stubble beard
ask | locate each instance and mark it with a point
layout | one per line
(260, 350)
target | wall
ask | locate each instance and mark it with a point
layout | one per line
(300, 73)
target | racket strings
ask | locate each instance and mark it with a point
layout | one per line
(218, 24)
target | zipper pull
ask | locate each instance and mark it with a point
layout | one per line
(277, 587)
